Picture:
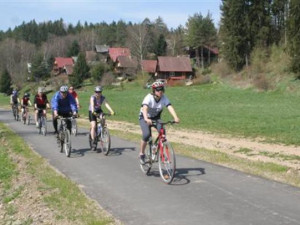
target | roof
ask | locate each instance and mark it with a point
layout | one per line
(174, 64)
(127, 62)
(90, 56)
(115, 52)
(213, 50)
(60, 62)
(101, 48)
(69, 69)
(149, 66)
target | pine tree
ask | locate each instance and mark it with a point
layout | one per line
(5, 83)
(161, 46)
(81, 71)
(39, 67)
(294, 36)
(74, 49)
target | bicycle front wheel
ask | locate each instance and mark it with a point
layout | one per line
(146, 167)
(105, 141)
(74, 127)
(167, 163)
(43, 126)
(93, 143)
(67, 143)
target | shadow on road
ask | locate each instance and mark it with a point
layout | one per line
(119, 151)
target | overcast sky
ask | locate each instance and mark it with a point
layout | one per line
(173, 12)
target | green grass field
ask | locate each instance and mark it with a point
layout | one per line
(214, 108)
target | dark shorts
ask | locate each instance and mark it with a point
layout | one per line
(93, 117)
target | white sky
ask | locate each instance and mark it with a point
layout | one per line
(173, 12)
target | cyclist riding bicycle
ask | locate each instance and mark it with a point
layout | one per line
(63, 104)
(14, 99)
(75, 95)
(25, 101)
(96, 102)
(152, 107)
(40, 103)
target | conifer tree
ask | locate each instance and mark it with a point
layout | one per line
(5, 83)
(80, 72)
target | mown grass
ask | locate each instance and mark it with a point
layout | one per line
(218, 108)
(63, 196)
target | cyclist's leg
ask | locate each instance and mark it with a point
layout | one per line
(54, 120)
(146, 133)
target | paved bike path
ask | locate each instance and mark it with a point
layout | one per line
(201, 193)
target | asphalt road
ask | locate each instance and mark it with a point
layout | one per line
(201, 193)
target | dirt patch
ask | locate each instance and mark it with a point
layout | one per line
(245, 148)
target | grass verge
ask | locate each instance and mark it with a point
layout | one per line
(57, 194)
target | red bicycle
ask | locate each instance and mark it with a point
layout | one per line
(162, 152)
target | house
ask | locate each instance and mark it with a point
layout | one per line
(173, 68)
(126, 66)
(113, 53)
(102, 52)
(210, 54)
(60, 63)
(149, 66)
(68, 69)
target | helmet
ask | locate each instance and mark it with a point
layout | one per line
(98, 89)
(158, 85)
(63, 88)
(40, 89)
(26, 95)
(15, 92)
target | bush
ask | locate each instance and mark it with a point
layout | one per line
(98, 71)
(107, 79)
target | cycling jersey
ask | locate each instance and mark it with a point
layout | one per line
(63, 105)
(74, 94)
(97, 103)
(154, 107)
(41, 101)
(25, 101)
(14, 99)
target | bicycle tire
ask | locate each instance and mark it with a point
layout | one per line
(28, 120)
(148, 162)
(43, 126)
(105, 141)
(167, 163)
(67, 143)
(74, 127)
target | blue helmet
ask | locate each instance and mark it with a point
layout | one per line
(15, 92)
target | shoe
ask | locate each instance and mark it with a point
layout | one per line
(142, 159)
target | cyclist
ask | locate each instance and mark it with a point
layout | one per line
(96, 102)
(40, 103)
(63, 104)
(151, 109)
(25, 101)
(75, 95)
(14, 100)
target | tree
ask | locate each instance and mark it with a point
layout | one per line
(80, 72)
(98, 71)
(200, 32)
(234, 32)
(294, 36)
(161, 46)
(74, 49)
(39, 67)
(5, 83)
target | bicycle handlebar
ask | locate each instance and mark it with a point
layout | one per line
(155, 122)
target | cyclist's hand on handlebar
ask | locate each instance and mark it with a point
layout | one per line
(95, 114)
(112, 113)
(148, 121)
(176, 120)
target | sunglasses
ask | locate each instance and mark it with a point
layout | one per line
(159, 89)
(98, 91)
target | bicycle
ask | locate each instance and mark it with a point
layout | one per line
(162, 152)
(25, 115)
(64, 135)
(74, 126)
(42, 122)
(101, 134)
(15, 111)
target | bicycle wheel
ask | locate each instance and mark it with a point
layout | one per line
(93, 144)
(105, 141)
(61, 139)
(148, 162)
(28, 120)
(43, 126)
(74, 127)
(67, 143)
(167, 163)
(24, 118)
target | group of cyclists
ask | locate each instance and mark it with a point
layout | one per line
(65, 102)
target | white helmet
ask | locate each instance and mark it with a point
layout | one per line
(40, 89)
(64, 88)
(158, 85)
(98, 89)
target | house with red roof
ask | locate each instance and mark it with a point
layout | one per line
(60, 64)
(126, 66)
(173, 68)
(113, 53)
(149, 66)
